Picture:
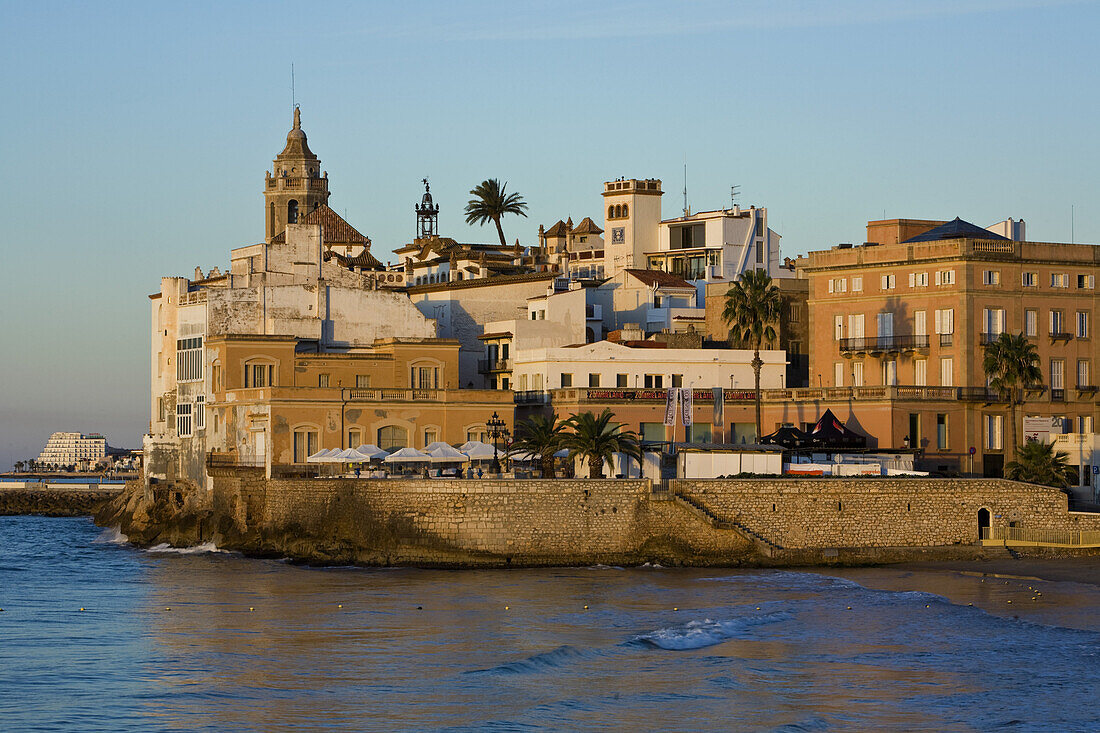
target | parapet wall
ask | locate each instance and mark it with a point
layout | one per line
(579, 522)
(872, 512)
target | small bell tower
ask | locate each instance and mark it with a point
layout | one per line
(296, 185)
(427, 215)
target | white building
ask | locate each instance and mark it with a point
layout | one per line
(81, 450)
(717, 245)
(608, 364)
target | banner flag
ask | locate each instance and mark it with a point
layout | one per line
(670, 407)
(719, 409)
(686, 404)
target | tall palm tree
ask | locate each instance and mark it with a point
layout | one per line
(1038, 463)
(596, 439)
(753, 305)
(490, 202)
(1011, 363)
(541, 436)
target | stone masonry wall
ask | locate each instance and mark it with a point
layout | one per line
(869, 512)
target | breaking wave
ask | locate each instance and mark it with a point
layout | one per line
(707, 632)
(111, 536)
(204, 548)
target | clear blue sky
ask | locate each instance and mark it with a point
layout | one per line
(135, 136)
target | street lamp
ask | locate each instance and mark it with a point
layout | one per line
(497, 429)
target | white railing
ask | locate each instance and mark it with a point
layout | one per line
(1045, 537)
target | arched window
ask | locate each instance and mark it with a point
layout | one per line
(259, 373)
(271, 219)
(626, 210)
(292, 212)
(618, 211)
(610, 212)
(305, 442)
(392, 436)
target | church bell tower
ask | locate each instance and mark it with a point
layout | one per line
(296, 184)
(427, 215)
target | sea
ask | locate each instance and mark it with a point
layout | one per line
(97, 635)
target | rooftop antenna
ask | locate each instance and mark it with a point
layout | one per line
(1071, 232)
(687, 209)
(735, 191)
(293, 98)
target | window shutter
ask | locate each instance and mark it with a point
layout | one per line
(830, 285)
(912, 279)
(939, 321)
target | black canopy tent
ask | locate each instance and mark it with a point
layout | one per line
(829, 433)
(788, 437)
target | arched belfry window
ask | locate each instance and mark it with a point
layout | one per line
(626, 210)
(610, 212)
(271, 219)
(292, 212)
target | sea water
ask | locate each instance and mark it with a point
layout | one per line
(205, 640)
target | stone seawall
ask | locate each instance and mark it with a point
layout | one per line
(584, 522)
(54, 502)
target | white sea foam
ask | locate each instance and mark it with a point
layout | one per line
(707, 632)
(204, 548)
(111, 536)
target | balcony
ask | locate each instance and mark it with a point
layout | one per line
(986, 395)
(532, 397)
(883, 344)
(898, 393)
(988, 338)
(947, 339)
(1060, 336)
(488, 366)
(1057, 395)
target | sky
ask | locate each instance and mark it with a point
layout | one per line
(135, 136)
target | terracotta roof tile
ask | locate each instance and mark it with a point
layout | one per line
(587, 226)
(334, 229)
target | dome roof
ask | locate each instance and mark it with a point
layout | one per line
(296, 145)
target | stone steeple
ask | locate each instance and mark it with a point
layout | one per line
(296, 185)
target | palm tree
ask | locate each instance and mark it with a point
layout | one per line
(1011, 363)
(596, 439)
(540, 436)
(753, 305)
(490, 202)
(1038, 463)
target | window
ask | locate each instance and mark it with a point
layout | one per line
(855, 326)
(888, 282)
(652, 431)
(1031, 322)
(216, 377)
(890, 373)
(759, 252)
(994, 432)
(305, 444)
(918, 279)
(838, 327)
(200, 412)
(699, 432)
(654, 381)
(857, 374)
(1084, 423)
(566, 380)
(838, 374)
(431, 435)
(427, 377)
(183, 419)
(838, 285)
(941, 431)
(477, 434)
(857, 285)
(1086, 282)
(1028, 279)
(620, 380)
(945, 321)
(677, 380)
(1082, 324)
(1057, 323)
(794, 313)
(355, 437)
(1084, 374)
(322, 380)
(1059, 280)
(945, 277)
(993, 321)
(947, 372)
(920, 323)
(189, 359)
(504, 383)
(362, 381)
(392, 436)
(593, 380)
(885, 324)
(920, 372)
(1057, 374)
(259, 375)
(991, 277)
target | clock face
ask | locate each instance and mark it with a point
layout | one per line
(618, 235)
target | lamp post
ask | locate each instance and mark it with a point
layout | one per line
(497, 429)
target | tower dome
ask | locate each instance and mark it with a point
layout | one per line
(295, 185)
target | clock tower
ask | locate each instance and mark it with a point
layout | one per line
(632, 211)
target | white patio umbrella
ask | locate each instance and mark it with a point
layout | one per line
(443, 453)
(407, 455)
(478, 451)
(320, 456)
(524, 456)
(369, 449)
(350, 455)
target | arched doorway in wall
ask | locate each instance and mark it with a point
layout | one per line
(983, 522)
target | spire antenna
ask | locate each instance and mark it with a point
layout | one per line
(293, 97)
